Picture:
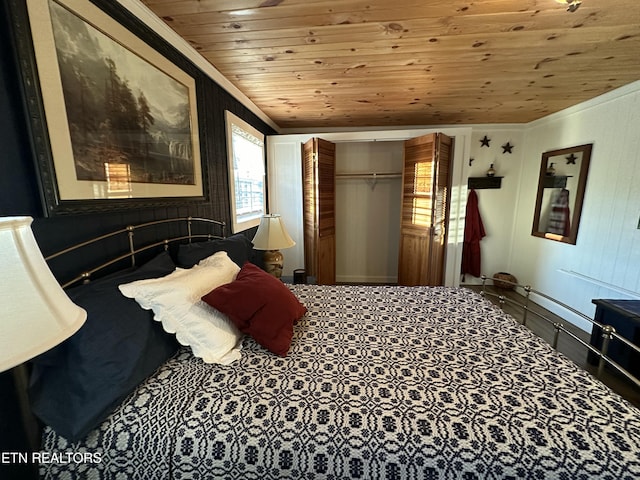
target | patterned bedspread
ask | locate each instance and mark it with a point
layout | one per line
(380, 383)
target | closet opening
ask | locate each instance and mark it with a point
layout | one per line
(368, 192)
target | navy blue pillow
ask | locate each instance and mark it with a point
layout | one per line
(77, 384)
(238, 247)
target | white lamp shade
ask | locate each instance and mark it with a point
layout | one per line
(36, 313)
(271, 234)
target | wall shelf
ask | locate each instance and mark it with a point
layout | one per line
(479, 183)
(555, 181)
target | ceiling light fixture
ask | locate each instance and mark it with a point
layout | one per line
(572, 5)
(242, 13)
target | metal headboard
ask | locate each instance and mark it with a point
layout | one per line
(134, 250)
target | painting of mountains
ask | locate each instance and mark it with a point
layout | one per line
(121, 109)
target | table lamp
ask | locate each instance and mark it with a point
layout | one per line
(36, 313)
(271, 237)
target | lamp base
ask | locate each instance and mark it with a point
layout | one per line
(273, 261)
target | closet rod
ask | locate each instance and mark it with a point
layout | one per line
(369, 175)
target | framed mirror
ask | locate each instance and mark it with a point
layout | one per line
(563, 177)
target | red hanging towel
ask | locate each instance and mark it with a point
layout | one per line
(560, 216)
(473, 233)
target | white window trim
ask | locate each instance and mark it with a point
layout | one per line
(238, 225)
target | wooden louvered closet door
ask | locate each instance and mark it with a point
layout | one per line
(426, 187)
(318, 172)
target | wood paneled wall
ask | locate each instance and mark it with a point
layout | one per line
(19, 192)
(605, 262)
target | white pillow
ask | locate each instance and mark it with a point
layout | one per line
(176, 302)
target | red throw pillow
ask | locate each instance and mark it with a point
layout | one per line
(261, 306)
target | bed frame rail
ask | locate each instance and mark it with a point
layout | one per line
(186, 225)
(608, 331)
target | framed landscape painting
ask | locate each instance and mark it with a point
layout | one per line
(119, 122)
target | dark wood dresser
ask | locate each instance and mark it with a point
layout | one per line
(624, 316)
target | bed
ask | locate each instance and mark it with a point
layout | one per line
(377, 382)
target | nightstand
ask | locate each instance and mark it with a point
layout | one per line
(624, 316)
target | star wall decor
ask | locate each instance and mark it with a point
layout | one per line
(572, 5)
(571, 159)
(484, 142)
(506, 148)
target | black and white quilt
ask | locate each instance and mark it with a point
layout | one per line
(380, 383)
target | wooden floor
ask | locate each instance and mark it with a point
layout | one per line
(566, 345)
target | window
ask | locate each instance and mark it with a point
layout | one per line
(118, 177)
(245, 150)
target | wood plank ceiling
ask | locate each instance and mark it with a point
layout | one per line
(337, 63)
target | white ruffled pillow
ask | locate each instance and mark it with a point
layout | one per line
(176, 302)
